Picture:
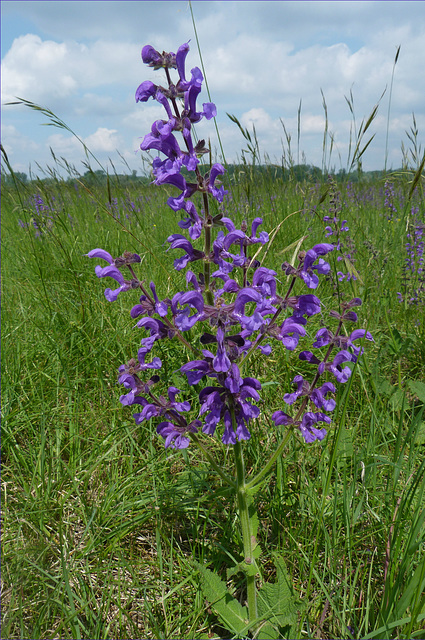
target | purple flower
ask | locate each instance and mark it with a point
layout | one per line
(137, 387)
(303, 389)
(161, 407)
(221, 362)
(290, 332)
(209, 182)
(264, 281)
(162, 140)
(173, 434)
(191, 255)
(215, 404)
(112, 271)
(306, 270)
(237, 236)
(190, 97)
(145, 91)
(154, 59)
(190, 300)
(324, 337)
(158, 331)
(194, 223)
(195, 370)
(307, 267)
(182, 52)
(244, 297)
(150, 305)
(309, 432)
(341, 374)
(142, 365)
(318, 397)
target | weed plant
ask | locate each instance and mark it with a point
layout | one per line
(100, 522)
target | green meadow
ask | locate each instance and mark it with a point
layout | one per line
(100, 523)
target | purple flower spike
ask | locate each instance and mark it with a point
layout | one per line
(238, 301)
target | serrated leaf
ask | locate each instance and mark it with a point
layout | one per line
(278, 605)
(399, 401)
(418, 388)
(230, 612)
(420, 436)
(384, 386)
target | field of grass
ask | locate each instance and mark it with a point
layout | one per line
(100, 523)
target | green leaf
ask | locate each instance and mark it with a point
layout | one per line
(253, 518)
(420, 436)
(418, 388)
(230, 612)
(278, 606)
(248, 569)
(399, 401)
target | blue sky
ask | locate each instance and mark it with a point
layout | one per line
(82, 61)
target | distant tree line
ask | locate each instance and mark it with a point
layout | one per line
(234, 173)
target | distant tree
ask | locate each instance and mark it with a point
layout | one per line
(19, 176)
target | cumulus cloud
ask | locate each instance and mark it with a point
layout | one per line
(103, 140)
(260, 59)
(47, 71)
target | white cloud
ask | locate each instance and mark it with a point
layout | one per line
(83, 61)
(258, 118)
(33, 68)
(47, 71)
(103, 140)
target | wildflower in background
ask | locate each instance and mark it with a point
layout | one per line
(43, 217)
(389, 200)
(413, 280)
(343, 243)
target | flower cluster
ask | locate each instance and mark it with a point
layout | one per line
(43, 216)
(337, 229)
(389, 200)
(413, 291)
(234, 302)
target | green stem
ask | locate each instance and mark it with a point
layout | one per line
(207, 250)
(249, 541)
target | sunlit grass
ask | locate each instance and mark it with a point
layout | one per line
(100, 523)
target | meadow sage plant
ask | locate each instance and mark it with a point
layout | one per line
(238, 309)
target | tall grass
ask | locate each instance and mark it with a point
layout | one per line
(100, 522)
